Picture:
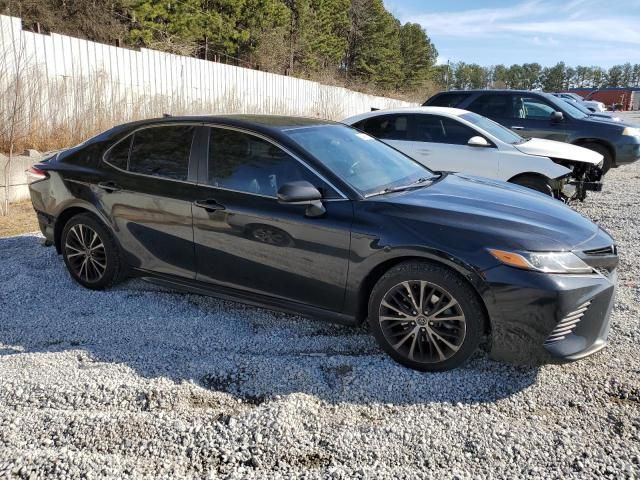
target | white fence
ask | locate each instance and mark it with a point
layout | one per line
(77, 76)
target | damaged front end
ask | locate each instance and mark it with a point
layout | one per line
(584, 177)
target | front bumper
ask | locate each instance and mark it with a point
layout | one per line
(541, 318)
(628, 152)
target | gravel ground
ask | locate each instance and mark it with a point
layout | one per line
(142, 382)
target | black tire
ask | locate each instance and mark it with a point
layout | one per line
(81, 228)
(607, 162)
(535, 182)
(427, 348)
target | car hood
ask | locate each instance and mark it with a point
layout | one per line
(560, 150)
(499, 214)
(604, 117)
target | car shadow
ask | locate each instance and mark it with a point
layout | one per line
(251, 353)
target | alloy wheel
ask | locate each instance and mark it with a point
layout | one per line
(422, 321)
(86, 253)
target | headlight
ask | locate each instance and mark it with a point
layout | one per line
(631, 132)
(547, 262)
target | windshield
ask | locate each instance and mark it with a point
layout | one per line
(565, 106)
(367, 164)
(492, 128)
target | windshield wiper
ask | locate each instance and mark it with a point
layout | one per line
(421, 182)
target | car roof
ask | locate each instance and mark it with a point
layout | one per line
(264, 123)
(489, 90)
(446, 111)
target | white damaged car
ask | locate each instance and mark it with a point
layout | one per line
(450, 139)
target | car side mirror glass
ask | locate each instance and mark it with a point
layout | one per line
(478, 141)
(302, 193)
(557, 117)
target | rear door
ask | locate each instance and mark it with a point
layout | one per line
(496, 106)
(247, 240)
(148, 197)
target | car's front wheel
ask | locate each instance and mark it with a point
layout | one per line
(90, 252)
(535, 182)
(426, 316)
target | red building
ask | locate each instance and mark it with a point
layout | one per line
(622, 98)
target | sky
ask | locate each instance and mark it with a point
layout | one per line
(490, 32)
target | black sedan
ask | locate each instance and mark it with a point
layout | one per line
(320, 219)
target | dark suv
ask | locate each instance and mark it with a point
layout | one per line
(541, 115)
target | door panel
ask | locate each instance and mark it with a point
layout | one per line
(257, 244)
(534, 116)
(440, 143)
(150, 212)
(250, 241)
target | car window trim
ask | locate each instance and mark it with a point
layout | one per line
(274, 143)
(540, 100)
(145, 127)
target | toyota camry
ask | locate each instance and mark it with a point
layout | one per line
(320, 219)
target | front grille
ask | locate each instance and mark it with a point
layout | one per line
(603, 260)
(567, 324)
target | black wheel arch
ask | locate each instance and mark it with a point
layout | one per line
(599, 141)
(462, 269)
(71, 210)
(530, 174)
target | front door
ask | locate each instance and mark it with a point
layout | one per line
(246, 240)
(148, 198)
(532, 118)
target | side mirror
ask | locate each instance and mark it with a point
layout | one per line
(478, 141)
(302, 193)
(557, 117)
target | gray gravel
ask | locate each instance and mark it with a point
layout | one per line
(142, 382)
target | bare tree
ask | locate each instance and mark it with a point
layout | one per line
(14, 107)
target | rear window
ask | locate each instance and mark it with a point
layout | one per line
(451, 99)
(162, 151)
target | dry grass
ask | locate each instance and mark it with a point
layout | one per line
(21, 219)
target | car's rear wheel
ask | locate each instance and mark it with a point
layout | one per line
(426, 317)
(535, 182)
(607, 161)
(90, 252)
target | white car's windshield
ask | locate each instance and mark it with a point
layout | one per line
(498, 131)
(368, 165)
(566, 107)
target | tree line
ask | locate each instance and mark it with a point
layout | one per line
(355, 43)
(530, 76)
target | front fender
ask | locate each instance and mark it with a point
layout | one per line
(539, 165)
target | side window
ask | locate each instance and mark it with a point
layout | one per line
(533, 108)
(493, 106)
(245, 163)
(432, 128)
(387, 127)
(162, 151)
(457, 133)
(118, 156)
(446, 100)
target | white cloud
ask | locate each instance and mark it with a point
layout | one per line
(544, 41)
(542, 22)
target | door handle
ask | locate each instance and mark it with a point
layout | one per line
(517, 128)
(109, 187)
(210, 205)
